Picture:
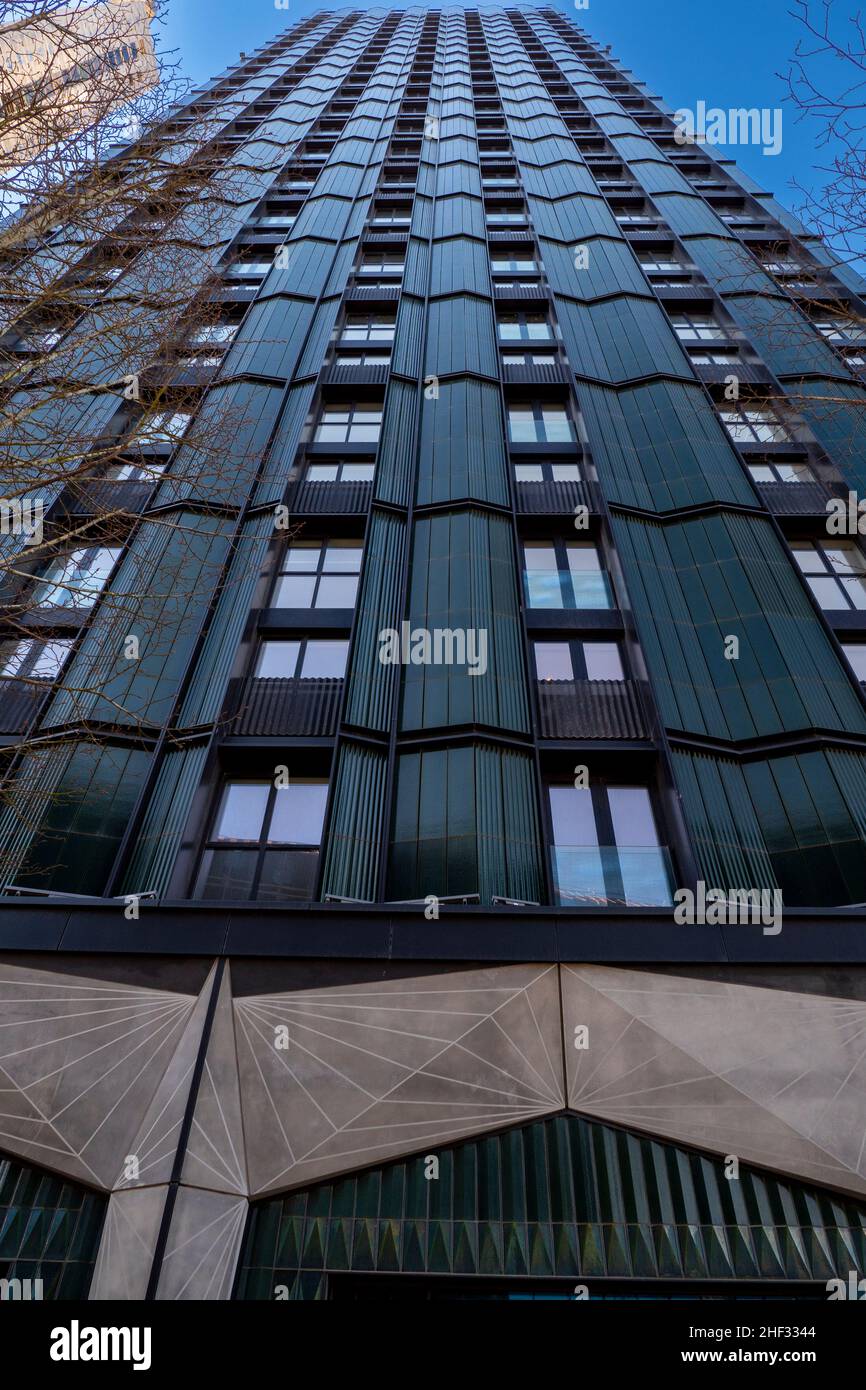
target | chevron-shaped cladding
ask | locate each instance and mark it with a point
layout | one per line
(336, 1067)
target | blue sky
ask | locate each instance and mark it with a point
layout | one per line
(727, 55)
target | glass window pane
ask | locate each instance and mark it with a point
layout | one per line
(856, 654)
(828, 592)
(632, 815)
(553, 661)
(277, 660)
(565, 473)
(337, 591)
(528, 473)
(603, 662)
(344, 557)
(227, 874)
(294, 591)
(299, 813)
(300, 558)
(288, 875)
(325, 659)
(572, 816)
(241, 811)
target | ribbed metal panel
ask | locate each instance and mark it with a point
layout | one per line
(787, 677)
(158, 840)
(567, 1197)
(556, 499)
(620, 339)
(331, 499)
(19, 703)
(475, 592)
(209, 682)
(281, 456)
(661, 446)
(103, 681)
(395, 464)
(461, 337)
(795, 499)
(409, 336)
(353, 842)
(462, 445)
(295, 708)
(350, 374)
(371, 684)
(590, 709)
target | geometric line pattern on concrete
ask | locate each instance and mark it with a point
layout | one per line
(128, 1242)
(373, 1070)
(773, 1077)
(80, 1060)
(215, 1150)
(203, 1246)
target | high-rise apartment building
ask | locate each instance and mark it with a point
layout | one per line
(342, 941)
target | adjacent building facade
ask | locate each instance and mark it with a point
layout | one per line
(342, 946)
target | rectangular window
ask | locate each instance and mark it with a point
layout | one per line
(697, 328)
(32, 659)
(855, 653)
(163, 427)
(835, 572)
(305, 658)
(319, 574)
(521, 327)
(565, 574)
(606, 847)
(264, 844)
(339, 473)
(75, 580)
(755, 424)
(367, 328)
(537, 422)
(356, 422)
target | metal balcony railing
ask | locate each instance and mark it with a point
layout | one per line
(298, 708)
(799, 499)
(330, 499)
(556, 498)
(590, 710)
(106, 496)
(19, 702)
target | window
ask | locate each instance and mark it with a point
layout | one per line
(536, 422)
(529, 359)
(578, 660)
(606, 847)
(855, 654)
(339, 472)
(75, 580)
(249, 270)
(163, 427)
(381, 264)
(391, 219)
(362, 359)
(277, 219)
(842, 330)
(356, 422)
(501, 217)
(635, 219)
(754, 424)
(367, 328)
(305, 657)
(565, 574)
(33, 659)
(505, 264)
(835, 572)
(134, 473)
(781, 473)
(519, 327)
(212, 334)
(546, 472)
(694, 328)
(651, 263)
(714, 357)
(264, 843)
(319, 574)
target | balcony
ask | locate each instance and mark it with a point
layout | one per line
(356, 374)
(612, 876)
(799, 499)
(107, 497)
(536, 373)
(556, 498)
(590, 710)
(331, 499)
(296, 708)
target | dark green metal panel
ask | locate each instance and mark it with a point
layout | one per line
(564, 1197)
(353, 841)
(49, 1230)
